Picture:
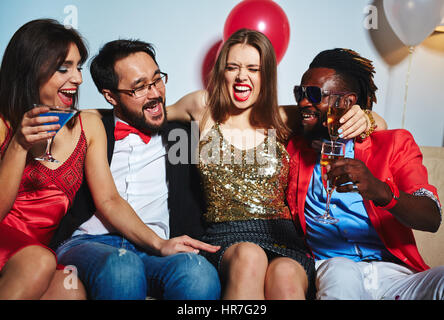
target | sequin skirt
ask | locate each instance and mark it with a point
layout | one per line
(277, 237)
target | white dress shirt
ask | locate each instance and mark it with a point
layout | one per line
(139, 172)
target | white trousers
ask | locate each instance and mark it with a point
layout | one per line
(344, 279)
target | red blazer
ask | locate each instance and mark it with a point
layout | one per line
(388, 154)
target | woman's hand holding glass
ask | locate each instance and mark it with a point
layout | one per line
(36, 129)
(63, 114)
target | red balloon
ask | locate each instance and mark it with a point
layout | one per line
(209, 61)
(265, 16)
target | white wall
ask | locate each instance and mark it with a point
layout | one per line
(184, 30)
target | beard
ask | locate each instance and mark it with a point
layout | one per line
(318, 131)
(138, 120)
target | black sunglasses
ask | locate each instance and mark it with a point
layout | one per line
(312, 93)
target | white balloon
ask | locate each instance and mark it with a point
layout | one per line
(413, 20)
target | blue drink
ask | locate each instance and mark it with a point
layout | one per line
(64, 117)
(64, 114)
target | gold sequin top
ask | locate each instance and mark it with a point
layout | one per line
(243, 184)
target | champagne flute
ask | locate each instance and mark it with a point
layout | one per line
(338, 105)
(64, 114)
(330, 152)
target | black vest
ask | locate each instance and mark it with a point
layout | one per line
(185, 200)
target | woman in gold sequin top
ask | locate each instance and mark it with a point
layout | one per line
(244, 167)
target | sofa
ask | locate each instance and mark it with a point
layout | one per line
(431, 245)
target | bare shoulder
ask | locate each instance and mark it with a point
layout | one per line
(90, 116)
(4, 129)
(202, 97)
(99, 112)
(206, 124)
(92, 125)
(200, 105)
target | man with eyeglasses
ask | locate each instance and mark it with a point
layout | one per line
(163, 195)
(382, 192)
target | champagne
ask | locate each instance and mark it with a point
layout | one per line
(327, 159)
(333, 116)
(330, 152)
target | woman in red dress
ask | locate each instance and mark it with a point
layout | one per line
(42, 64)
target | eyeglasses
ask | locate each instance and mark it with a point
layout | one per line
(312, 93)
(142, 91)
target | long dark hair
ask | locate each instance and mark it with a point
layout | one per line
(265, 112)
(33, 55)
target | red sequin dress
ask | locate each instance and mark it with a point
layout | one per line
(43, 198)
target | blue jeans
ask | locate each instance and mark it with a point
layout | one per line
(112, 268)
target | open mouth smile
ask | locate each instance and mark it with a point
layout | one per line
(242, 92)
(66, 95)
(309, 115)
(153, 108)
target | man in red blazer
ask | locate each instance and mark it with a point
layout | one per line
(382, 193)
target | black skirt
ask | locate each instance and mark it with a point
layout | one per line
(278, 238)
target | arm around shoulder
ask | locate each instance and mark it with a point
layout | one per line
(189, 107)
(380, 123)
